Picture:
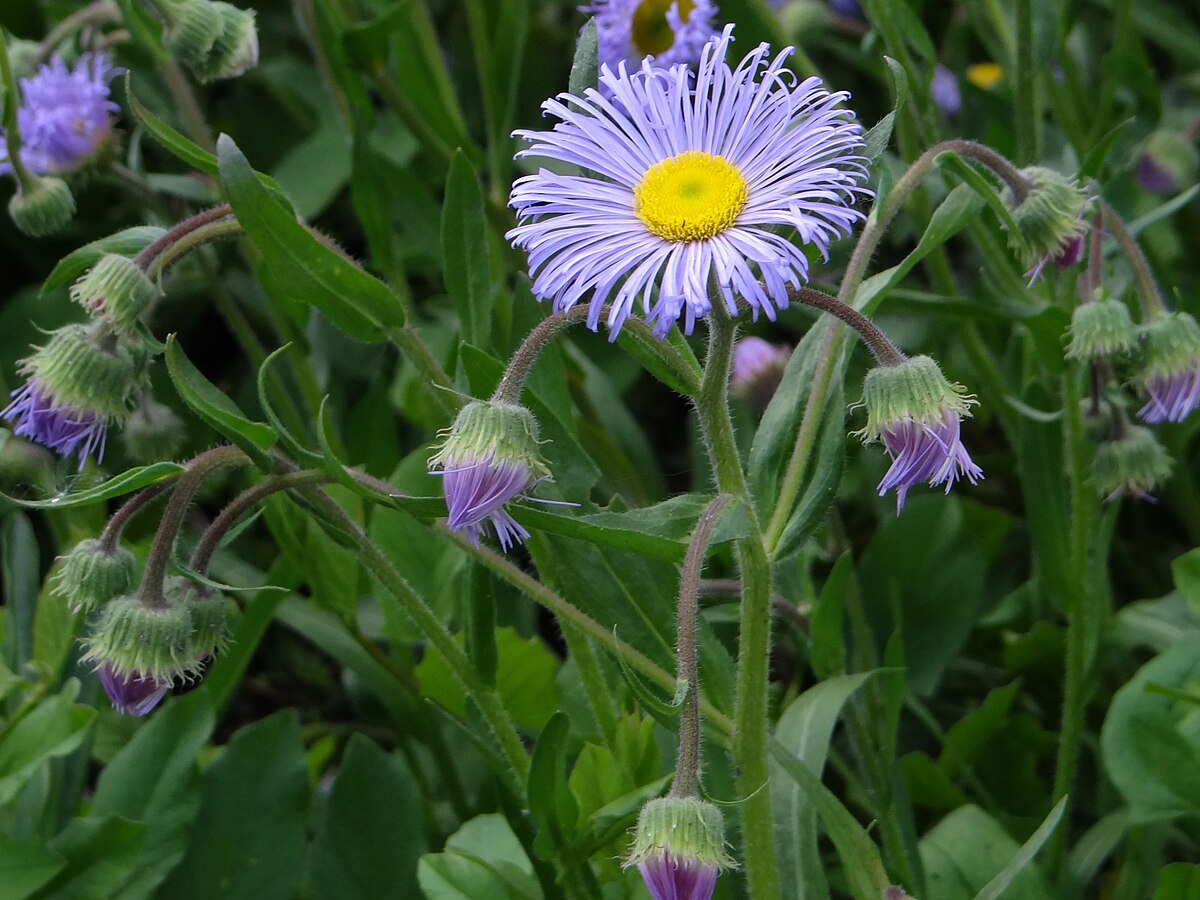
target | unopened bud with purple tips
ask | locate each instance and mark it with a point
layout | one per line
(134, 694)
(679, 848)
(1101, 329)
(116, 288)
(917, 414)
(490, 457)
(1170, 375)
(135, 640)
(1049, 219)
(92, 573)
(1132, 465)
(1167, 163)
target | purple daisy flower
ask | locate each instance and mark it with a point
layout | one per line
(65, 114)
(688, 181)
(133, 695)
(1171, 377)
(667, 31)
(926, 452)
(669, 877)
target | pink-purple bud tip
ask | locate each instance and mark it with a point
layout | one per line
(134, 695)
(930, 452)
(476, 493)
(669, 878)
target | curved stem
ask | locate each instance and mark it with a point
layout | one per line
(150, 590)
(26, 180)
(687, 765)
(1147, 287)
(116, 524)
(885, 352)
(754, 641)
(194, 239)
(94, 13)
(521, 363)
(148, 254)
(242, 503)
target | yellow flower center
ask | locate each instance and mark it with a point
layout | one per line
(690, 197)
(650, 31)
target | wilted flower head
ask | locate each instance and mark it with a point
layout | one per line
(1167, 163)
(679, 847)
(490, 456)
(917, 413)
(83, 380)
(1171, 374)
(669, 31)
(945, 92)
(1101, 328)
(134, 694)
(699, 180)
(1132, 465)
(65, 115)
(1049, 219)
(757, 369)
(92, 573)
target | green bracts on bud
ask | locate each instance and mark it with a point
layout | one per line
(914, 391)
(117, 288)
(1171, 344)
(88, 367)
(92, 574)
(212, 615)
(1048, 218)
(1132, 465)
(135, 639)
(493, 429)
(684, 828)
(236, 48)
(42, 206)
(1102, 328)
(213, 39)
(193, 28)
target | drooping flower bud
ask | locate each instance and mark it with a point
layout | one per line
(132, 695)
(42, 207)
(92, 574)
(679, 847)
(1102, 328)
(83, 380)
(917, 413)
(1171, 372)
(152, 432)
(490, 456)
(236, 49)
(212, 38)
(1168, 162)
(757, 369)
(212, 615)
(141, 640)
(1049, 220)
(1132, 465)
(117, 288)
(192, 28)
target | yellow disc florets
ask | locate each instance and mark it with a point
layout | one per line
(690, 197)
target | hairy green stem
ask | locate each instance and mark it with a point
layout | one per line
(206, 234)
(1026, 96)
(687, 665)
(177, 232)
(521, 363)
(885, 352)
(12, 135)
(117, 522)
(754, 641)
(1147, 287)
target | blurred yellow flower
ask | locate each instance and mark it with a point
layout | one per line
(985, 75)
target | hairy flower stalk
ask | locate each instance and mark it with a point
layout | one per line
(696, 174)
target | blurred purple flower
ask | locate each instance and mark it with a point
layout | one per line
(132, 696)
(758, 368)
(848, 8)
(926, 451)
(35, 414)
(944, 89)
(1173, 396)
(670, 878)
(65, 114)
(669, 31)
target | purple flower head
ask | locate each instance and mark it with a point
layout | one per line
(83, 380)
(669, 877)
(65, 114)
(944, 89)
(679, 848)
(917, 414)
(700, 180)
(758, 368)
(666, 31)
(1171, 376)
(1168, 162)
(131, 695)
(489, 458)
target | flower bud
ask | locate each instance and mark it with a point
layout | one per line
(236, 48)
(152, 432)
(212, 615)
(490, 457)
(42, 207)
(212, 38)
(141, 640)
(193, 26)
(1168, 162)
(1171, 372)
(83, 380)
(117, 288)
(92, 574)
(917, 414)
(757, 370)
(1132, 465)
(132, 695)
(1102, 328)
(679, 847)
(24, 57)
(1049, 220)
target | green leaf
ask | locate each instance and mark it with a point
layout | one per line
(25, 866)
(125, 483)
(368, 844)
(828, 648)
(53, 728)
(968, 849)
(877, 137)
(551, 803)
(298, 264)
(20, 580)
(482, 859)
(248, 840)
(822, 479)
(996, 888)
(188, 152)
(215, 408)
(970, 735)
(293, 444)
(1178, 881)
(981, 186)
(585, 67)
(126, 242)
(465, 252)
(1040, 465)
(664, 710)
(100, 853)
